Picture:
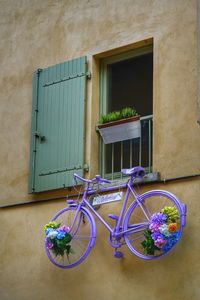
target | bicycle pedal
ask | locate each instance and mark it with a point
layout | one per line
(118, 254)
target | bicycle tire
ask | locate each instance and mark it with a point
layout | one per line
(83, 236)
(152, 202)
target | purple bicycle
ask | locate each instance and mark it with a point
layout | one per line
(150, 227)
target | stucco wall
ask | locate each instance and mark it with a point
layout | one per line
(26, 272)
(36, 34)
(198, 58)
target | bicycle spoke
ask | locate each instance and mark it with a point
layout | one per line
(138, 226)
(133, 229)
(78, 243)
(147, 217)
(81, 237)
(136, 238)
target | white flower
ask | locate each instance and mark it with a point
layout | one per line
(164, 230)
(52, 234)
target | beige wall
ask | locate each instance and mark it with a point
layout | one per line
(36, 34)
(26, 272)
(198, 58)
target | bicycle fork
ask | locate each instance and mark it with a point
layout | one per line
(115, 239)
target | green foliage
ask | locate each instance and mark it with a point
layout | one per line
(60, 246)
(148, 244)
(110, 117)
(126, 112)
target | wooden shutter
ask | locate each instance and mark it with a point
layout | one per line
(57, 138)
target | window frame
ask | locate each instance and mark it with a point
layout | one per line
(103, 108)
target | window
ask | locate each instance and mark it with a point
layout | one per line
(127, 81)
(57, 135)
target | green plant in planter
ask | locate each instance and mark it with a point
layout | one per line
(126, 112)
(110, 117)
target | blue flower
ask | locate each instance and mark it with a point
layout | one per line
(61, 234)
(48, 230)
(171, 241)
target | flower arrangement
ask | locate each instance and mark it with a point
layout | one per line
(162, 233)
(58, 238)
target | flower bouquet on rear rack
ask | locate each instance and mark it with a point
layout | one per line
(58, 238)
(119, 125)
(162, 233)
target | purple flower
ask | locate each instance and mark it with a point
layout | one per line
(156, 235)
(50, 245)
(160, 243)
(158, 218)
(64, 228)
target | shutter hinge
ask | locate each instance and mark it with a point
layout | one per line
(39, 136)
(39, 71)
(86, 167)
(88, 75)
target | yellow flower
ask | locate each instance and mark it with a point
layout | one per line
(171, 212)
(50, 225)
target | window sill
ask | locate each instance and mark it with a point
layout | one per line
(119, 181)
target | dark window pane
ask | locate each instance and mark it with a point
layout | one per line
(135, 152)
(126, 153)
(130, 84)
(108, 158)
(117, 157)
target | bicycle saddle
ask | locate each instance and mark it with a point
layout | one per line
(135, 172)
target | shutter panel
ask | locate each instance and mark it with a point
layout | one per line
(57, 148)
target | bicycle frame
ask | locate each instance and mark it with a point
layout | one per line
(126, 230)
(116, 231)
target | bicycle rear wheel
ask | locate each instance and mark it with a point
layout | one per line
(154, 224)
(82, 232)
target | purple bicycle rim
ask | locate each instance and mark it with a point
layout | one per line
(90, 244)
(170, 196)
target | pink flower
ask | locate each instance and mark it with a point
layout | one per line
(154, 227)
(160, 242)
(64, 228)
(50, 245)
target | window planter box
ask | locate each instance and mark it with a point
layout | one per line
(120, 130)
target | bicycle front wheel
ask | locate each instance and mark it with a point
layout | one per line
(81, 237)
(153, 224)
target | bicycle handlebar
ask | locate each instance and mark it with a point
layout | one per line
(96, 179)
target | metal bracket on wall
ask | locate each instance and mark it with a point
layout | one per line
(86, 167)
(88, 75)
